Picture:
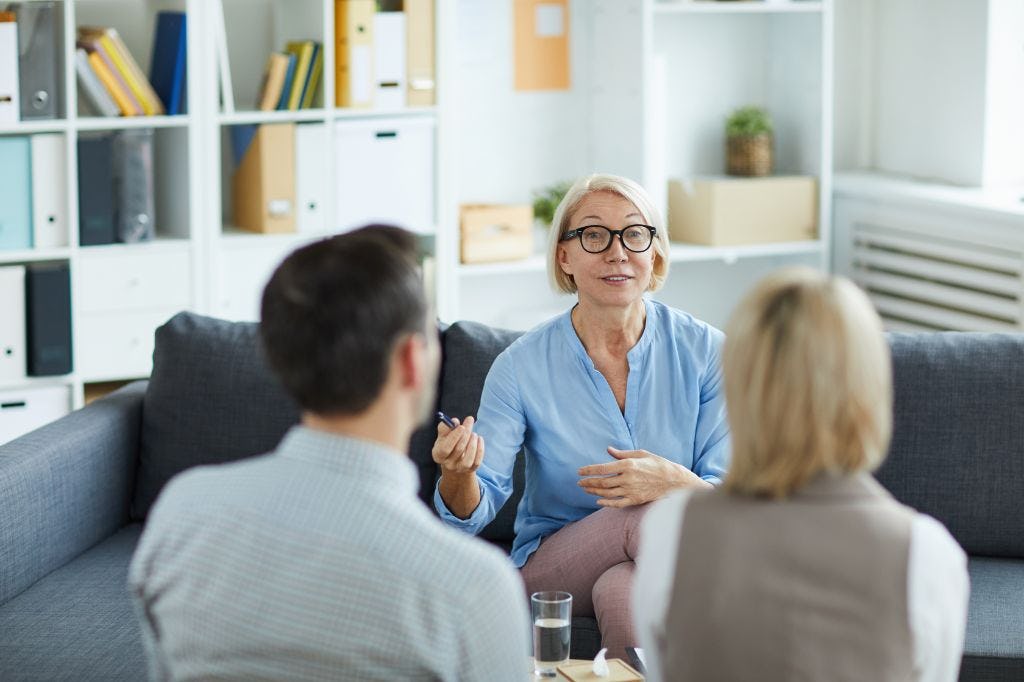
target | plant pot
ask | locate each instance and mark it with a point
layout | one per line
(749, 155)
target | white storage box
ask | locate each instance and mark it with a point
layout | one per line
(26, 409)
(385, 173)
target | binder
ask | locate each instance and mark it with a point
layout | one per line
(309, 94)
(96, 207)
(263, 190)
(310, 172)
(273, 81)
(133, 185)
(15, 193)
(353, 52)
(12, 331)
(167, 66)
(303, 51)
(49, 191)
(104, 69)
(419, 42)
(126, 66)
(48, 318)
(286, 86)
(10, 98)
(91, 89)
(38, 24)
(389, 60)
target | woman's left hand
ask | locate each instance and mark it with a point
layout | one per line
(637, 477)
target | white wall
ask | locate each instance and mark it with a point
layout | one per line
(931, 89)
(509, 143)
(1004, 140)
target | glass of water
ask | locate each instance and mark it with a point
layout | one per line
(552, 618)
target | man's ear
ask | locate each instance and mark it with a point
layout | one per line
(411, 358)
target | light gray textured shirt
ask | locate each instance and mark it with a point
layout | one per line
(318, 561)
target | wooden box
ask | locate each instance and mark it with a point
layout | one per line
(734, 211)
(496, 232)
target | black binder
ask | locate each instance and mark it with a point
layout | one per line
(48, 318)
(96, 201)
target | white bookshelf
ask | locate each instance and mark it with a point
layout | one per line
(98, 326)
(651, 85)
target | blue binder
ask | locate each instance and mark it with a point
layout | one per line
(15, 193)
(289, 76)
(167, 70)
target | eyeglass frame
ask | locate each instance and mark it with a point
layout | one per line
(578, 232)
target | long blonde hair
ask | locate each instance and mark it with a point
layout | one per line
(808, 383)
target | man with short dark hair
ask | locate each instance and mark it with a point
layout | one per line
(318, 561)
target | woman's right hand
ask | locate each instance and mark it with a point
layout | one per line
(459, 450)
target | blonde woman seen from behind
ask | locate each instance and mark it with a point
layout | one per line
(801, 567)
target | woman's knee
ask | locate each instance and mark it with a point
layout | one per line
(614, 586)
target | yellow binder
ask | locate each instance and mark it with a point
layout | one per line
(353, 53)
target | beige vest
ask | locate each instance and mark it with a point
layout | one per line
(813, 587)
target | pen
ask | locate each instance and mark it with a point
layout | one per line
(447, 422)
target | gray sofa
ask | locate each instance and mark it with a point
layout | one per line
(73, 494)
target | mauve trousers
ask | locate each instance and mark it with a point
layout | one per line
(592, 559)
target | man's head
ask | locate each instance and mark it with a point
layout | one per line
(346, 318)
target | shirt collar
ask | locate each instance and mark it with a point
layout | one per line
(360, 460)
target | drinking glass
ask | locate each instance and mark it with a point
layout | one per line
(552, 618)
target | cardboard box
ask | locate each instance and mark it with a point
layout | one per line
(495, 232)
(733, 211)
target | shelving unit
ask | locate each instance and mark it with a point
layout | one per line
(121, 292)
(651, 85)
(653, 82)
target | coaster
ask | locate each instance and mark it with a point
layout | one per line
(618, 671)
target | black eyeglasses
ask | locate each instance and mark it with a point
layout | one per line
(598, 238)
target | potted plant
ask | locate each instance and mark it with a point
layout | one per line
(546, 200)
(748, 134)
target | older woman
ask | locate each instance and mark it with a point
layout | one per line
(802, 567)
(616, 402)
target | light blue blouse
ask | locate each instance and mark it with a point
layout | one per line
(543, 393)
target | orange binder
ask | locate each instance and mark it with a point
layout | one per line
(263, 188)
(273, 81)
(353, 53)
(106, 76)
(419, 37)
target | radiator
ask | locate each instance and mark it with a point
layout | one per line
(923, 281)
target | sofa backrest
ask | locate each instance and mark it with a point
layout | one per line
(957, 451)
(212, 398)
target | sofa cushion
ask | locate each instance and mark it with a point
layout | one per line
(77, 623)
(957, 451)
(994, 645)
(211, 399)
(469, 350)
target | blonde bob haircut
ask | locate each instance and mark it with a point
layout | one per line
(628, 190)
(808, 383)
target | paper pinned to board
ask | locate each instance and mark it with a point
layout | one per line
(541, 45)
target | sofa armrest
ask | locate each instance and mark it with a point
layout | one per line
(66, 486)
